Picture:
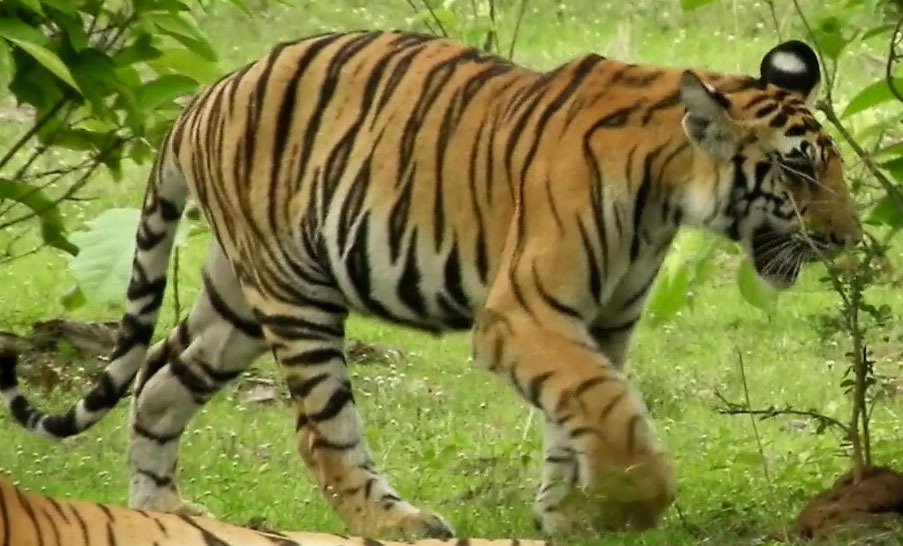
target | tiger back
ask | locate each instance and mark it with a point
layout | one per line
(30, 519)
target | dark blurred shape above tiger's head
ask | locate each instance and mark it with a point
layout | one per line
(781, 191)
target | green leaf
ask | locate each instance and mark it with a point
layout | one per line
(876, 31)
(885, 213)
(164, 89)
(829, 36)
(10, 30)
(104, 265)
(688, 5)
(63, 6)
(53, 231)
(73, 298)
(32, 5)
(183, 29)
(14, 29)
(7, 67)
(870, 96)
(185, 62)
(140, 50)
(669, 295)
(753, 289)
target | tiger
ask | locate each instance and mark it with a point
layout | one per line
(31, 519)
(422, 182)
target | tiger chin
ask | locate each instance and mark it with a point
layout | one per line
(425, 183)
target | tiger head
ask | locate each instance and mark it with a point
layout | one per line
(780, 186)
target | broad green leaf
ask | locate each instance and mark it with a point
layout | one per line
(32, 5)
(10, 31)
(753, 289)
(73, 298)
(876, 31)
(64, 6)
(164, 89)
(103, 266)
(829, 36)
(895, 149)
(75, 32)
(870, 96)
(183, 29)
(688, 5)
(243, 6)
(53, 231)
(140, 50)
(7, 66)
(895, 168)
(669, 295)
(96, 75)
(885, 213)
(14, 29)
(185, 62)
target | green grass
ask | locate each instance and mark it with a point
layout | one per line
(452, 437)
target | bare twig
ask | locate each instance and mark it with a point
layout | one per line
(416, 11)
(517, 22)
(774, 18)
(732, 408)
(435, 17)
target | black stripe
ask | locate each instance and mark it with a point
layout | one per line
(640, 203)
(408, 286)
(160, 439)
(534, 388)
(594, 277)
(550, 299)
(312, 357)
(300, 388)
(337, 401)
(28, 512)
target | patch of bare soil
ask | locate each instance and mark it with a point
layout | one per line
(61, 353)
(875, 503)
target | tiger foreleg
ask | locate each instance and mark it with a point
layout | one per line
(604, 469)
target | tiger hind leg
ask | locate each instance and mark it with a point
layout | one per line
(213, 345)
(307, 338)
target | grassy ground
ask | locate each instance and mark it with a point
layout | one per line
(455, 439)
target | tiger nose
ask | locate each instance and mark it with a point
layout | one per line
(847, 238)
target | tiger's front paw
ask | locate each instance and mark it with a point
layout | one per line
(416, 525)
(634, 498)
(192, 509)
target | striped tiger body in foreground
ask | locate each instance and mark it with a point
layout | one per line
(30, 519)
(414, 179)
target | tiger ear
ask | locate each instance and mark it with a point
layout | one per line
(793, 66)
(707, 123)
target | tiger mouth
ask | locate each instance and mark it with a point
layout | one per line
(779, 257)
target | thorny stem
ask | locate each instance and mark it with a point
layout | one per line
(732, 408)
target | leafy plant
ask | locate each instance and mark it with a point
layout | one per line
(868, 130)
(100, 82)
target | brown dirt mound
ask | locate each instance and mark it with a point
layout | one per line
(877, 500)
